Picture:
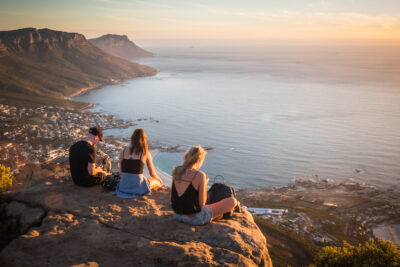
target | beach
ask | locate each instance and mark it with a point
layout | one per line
(165, 177)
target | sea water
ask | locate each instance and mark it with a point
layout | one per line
(270, 114)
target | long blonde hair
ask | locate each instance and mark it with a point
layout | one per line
(191, 157)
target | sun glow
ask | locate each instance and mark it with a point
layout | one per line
(207, 20)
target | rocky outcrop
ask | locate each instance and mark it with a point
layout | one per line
(91, 227)
(120, 46)
(31, 40)
(24, 216)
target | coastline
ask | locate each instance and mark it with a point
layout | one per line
(319, 211)
(157, 149)
(165, 177)
(86, 90)
(83, 90)
(315, 218)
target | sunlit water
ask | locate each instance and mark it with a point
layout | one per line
(271, 115)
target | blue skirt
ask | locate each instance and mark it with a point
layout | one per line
(132, 185)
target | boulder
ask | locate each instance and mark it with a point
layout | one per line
(91, 227)
(25, 215)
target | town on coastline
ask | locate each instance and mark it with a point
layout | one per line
(43, 134)
(34, 135)
(318, 212)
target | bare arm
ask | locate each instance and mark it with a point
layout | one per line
(202, 189)
(150, 167)
(93, 169)
(121, 156)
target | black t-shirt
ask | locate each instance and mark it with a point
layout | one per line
(80, 154)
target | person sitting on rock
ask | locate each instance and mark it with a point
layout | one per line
(82, 160)
(189, 191)
(131, 164)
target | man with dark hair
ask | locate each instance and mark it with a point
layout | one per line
(82, 160)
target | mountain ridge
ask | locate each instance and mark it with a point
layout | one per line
(49, 66)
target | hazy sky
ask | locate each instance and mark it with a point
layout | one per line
(210, 19)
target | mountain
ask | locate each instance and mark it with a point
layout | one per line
(46, 66)
(120, 46)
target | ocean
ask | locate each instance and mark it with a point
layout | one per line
(271, 114)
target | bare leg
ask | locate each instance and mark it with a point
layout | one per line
(154, 183)
(222, 206)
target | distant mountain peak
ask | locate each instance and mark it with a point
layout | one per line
(117, 36)
(120, 45)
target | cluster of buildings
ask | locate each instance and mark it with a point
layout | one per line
(300, 223)
(42, 134)
(327, 212)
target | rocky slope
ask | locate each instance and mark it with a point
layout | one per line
(120, 46)
(47, 66)
(65, 225)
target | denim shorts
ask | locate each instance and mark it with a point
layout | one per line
(202, 217)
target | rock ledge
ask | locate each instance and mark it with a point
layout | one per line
(90, 227)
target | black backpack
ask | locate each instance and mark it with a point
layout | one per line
(111, 182)
(219, 191)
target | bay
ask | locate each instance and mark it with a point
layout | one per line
(270, 114)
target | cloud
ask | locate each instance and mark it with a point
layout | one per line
(122, 19)
(316, 18)
(324, 18)
(358, 19)
(106, 1)
(325, 4)
(209, 8)
(152, 4)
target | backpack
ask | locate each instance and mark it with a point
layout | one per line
(111, 182)
(219, 191)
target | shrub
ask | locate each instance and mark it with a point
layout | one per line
(5, 177)
(381, 253)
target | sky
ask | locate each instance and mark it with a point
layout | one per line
(144, 20)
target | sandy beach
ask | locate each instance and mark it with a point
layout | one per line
(83, 91)
(165, 177)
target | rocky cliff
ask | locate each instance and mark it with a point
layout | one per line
(30, 41)
(65, 225)
(44, 65)
(120, 46)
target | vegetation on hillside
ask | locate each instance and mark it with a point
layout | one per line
(6, 230)
(300, 237)
(5, 177)
(285, 246)
(380, 253)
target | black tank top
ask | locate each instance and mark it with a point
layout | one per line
(187, 203)
(134, 166)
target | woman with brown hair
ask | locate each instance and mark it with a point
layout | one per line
(131, 164)
(189, 191)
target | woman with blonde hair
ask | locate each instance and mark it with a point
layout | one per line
(131, 164)
(189, 191)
